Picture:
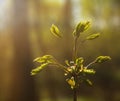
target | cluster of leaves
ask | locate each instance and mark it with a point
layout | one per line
(78, 72)
(75, 71)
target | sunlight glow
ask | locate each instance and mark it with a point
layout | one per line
(77, 12)
(4, 12)
(57, 2)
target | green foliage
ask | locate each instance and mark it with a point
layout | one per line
(55, 31)
(102, 59)
(89, 71)
(75, 70)
(81, 27)
(79, 70)
(79, 61)
(71, 82)
(44, 59)
(38, 69)
(88, 81)
(93, 36)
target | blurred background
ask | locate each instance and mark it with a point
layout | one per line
(25, 35)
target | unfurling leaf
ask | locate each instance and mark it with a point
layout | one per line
(38, 69)
(93, 36)
(81, 27)
(55, 31)
(71, 82)
(44, 59)
(89, 71)
(88, 81)
(79, 64)
(101, 59)
(79, 61)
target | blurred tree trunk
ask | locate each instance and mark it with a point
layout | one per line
(22, 87)
(37, 26)
(68, 14)
(68, 30)
(5, 65)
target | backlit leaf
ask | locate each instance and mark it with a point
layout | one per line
(79, 61)
(81, 27)
(101, 59)
(93, 36)
(55, 31)
(44, 59)
(89, 71)
(88, 81)
(71, 82)
(38, 69)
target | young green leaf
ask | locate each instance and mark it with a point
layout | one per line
(88, 81)
(81, 27)
(102, 59)
(93, 36)
(79, 64)
(71, 82)
(79, 61)
(55, 31)
(89, 71)
(38, 69)
(44, 59)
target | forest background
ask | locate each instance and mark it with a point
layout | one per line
(25, 35)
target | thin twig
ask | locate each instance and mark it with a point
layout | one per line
(75, 48)
(91, 63)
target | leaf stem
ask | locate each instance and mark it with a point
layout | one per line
(75, 88)
(75, 94)
(91, 63)
(75, 48)
(75, 76)
(62, 67)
